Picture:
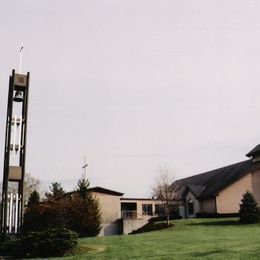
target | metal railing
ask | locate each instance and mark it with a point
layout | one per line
(133, 214)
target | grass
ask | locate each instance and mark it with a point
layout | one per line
(187, 239)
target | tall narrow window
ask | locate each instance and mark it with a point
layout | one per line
(190, 207)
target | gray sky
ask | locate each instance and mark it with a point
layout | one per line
(134, 85)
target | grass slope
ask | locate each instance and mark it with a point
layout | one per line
(187, 239)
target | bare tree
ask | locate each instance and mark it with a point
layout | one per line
(163, 190)
(30, 184)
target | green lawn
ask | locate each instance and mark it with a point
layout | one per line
(188, 239)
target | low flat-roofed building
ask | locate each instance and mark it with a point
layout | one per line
(139, 207)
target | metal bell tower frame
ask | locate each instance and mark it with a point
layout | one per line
(12, 205)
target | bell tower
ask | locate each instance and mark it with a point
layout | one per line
(12, 205)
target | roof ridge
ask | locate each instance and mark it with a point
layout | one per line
(216, 169)
(215, 180)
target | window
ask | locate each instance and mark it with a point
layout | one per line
(147, 209)
(129, 210)
(190, 207)
(159, 209)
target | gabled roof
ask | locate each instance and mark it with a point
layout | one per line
(253, 152)
(208, 184)
(197, 190)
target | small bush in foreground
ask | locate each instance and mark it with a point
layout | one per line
(249, 211)
(52, 242)
(152, 226)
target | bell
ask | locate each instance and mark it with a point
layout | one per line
(18, 96)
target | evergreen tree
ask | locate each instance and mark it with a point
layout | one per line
(84, 215)
(249, 211)
(82, 187)
(57, 191)
(84, 211)
(34, 198)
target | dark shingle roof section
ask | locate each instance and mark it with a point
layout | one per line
(208, 184)
(253, 152)
(105, 191)
(197, 190)
(100, 190)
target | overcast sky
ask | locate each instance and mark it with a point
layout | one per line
(133, 85)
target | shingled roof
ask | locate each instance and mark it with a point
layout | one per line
(208, 184)
(254, 152)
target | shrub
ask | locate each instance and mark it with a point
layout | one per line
(249, 211)
(48, 214)
(216, 215)
(78, 211)
(152, 226)
(52, 242)
(10, 247)
(73, 212)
